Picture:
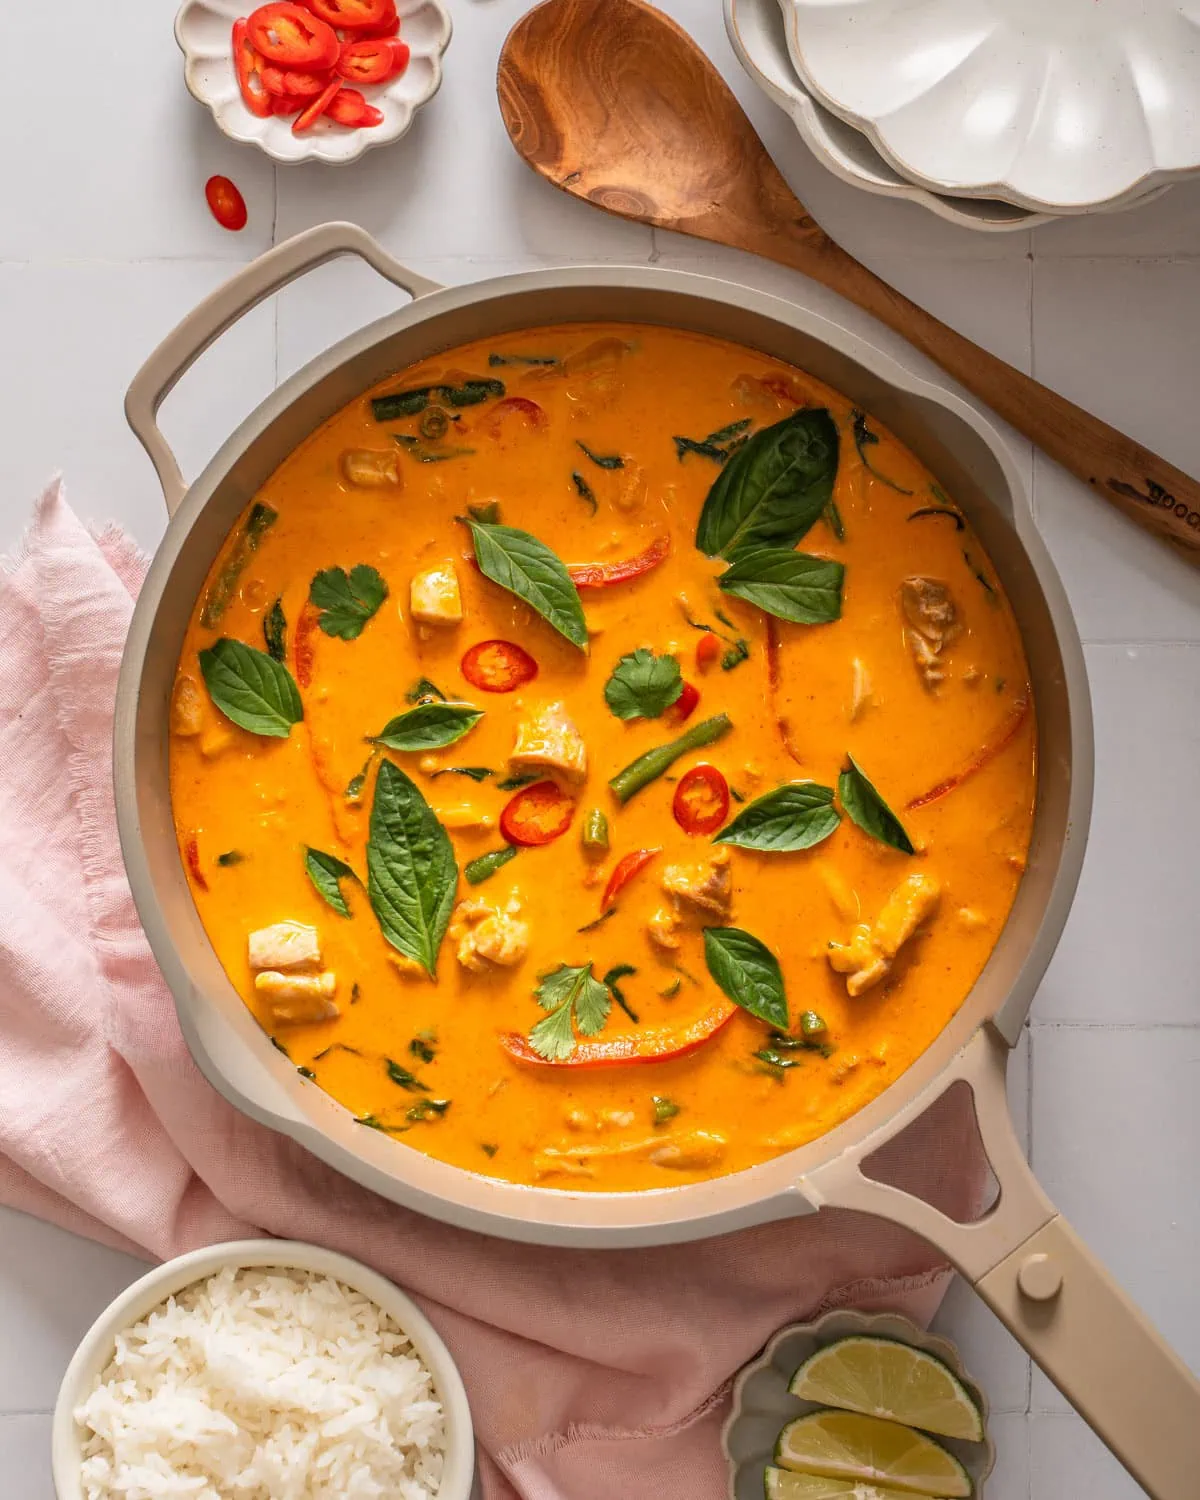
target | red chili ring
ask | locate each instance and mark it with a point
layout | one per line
(538, 814)
(498, 666)
(701, 802)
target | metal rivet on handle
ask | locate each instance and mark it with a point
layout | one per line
(1040, 1278)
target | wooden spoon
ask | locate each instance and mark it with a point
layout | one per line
(612, 101)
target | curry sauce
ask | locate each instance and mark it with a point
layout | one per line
(904, 720)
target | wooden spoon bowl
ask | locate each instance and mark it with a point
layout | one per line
(614, 103)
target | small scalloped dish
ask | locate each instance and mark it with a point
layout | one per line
(204, 31)
(763, 1405)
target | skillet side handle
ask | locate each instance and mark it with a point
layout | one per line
(1039, 1278)
(219, 311)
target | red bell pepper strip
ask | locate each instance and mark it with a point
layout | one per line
(654, 1044)
(623, 872)
(191, 854)
(317, 108)
(989, 752)
(519, 406)
(303, 645)
(602, 575)
(292, 37)
(782, 723)
(372, 59)
(227, 204)
(353, 15)
(538, 814)
(498, 666)
(685, 705)
(701, 802)
(708, 649)
(348, 107)
(248, 66)
(292, 84)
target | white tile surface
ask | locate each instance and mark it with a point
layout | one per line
(105, 242)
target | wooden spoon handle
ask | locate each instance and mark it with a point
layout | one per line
(1149, 490)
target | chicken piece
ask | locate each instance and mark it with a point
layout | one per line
(407, 968)
(549, 742)
(434, 597)
(485, 935)
(862, 692)
(931, 623)
(215, 740)
(867, 957)
(187, 708)
(694, 1151)
(371, 468)
(296, 998)
(704, 886)
(660, 929)
(286, 945)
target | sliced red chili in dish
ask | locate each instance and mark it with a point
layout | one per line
(652, 1044)
(701, 802)
(372, 59)
(191, 854)
(304, 651)
(602, 575)
(538, 814)
(248, 66)
(519, 406)
(317, 108)
(353, 15)
(292, 84)
(292, 37)
(708, 648)
(227, 204)
(389, 26)
(623, 872)
(498, 666)
(685, 705)
(348, 107)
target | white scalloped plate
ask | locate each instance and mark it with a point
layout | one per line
(203, 29)
(1062, 106)
(756, 33)
(762, 1403)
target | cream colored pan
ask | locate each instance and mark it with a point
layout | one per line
(1021, 1257)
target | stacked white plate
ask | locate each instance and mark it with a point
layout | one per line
(993, 114)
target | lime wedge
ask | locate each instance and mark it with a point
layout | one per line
(782, 1484)
(848, 1445)
(883, 1378)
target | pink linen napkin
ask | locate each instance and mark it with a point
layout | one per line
(591, 1374)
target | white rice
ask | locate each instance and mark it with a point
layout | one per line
(263, 1385)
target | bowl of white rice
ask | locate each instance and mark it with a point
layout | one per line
(262, 1370)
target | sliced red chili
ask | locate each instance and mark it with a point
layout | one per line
(389, 26)
(227, 204)
(623, 872)
(519, 406)
(685, 705)
(353, 15)
(191, 854)
(292, 37)
(292, 84)
(708, 649)
(653, 1044)
(317, 108)
(538, 814)
(304, 650)
(372, 59)
(248, 66)
(498, 666)
(602, 575)
(701, 802)
(348, 107)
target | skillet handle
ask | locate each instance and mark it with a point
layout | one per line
(219, 311)
(1039, 1278)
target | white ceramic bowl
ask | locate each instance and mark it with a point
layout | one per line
(762, 1403)
(174, 1275)
(204, 31)
(1062, 106)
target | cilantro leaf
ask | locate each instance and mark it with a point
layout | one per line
(575, 999)
(347, 600)
(643, 686)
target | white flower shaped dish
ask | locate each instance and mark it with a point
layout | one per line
(756, 33)
(204, 31)
(1062, 106)
(763, 1405)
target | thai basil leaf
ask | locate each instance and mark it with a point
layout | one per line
(642, 685)
(429, 726)
(527, 568)
(347, 600)
(404, 1078)
(411, 870)
(496, 360)
(865, 807)
(790, 585)
(422, 689)
(327, 872)
(864, 438)
(410, 403)
(475, 773)
(792, 817)
(585, 492)
(601, 460)
(773, 488)
(258, 523)
(748, 972)
(250, 688)
(717, 445)
(275, 631)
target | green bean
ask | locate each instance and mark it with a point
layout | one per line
(595, 832)
(486, 865)
(647, 768)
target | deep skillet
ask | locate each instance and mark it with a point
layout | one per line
(1021, 1256)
